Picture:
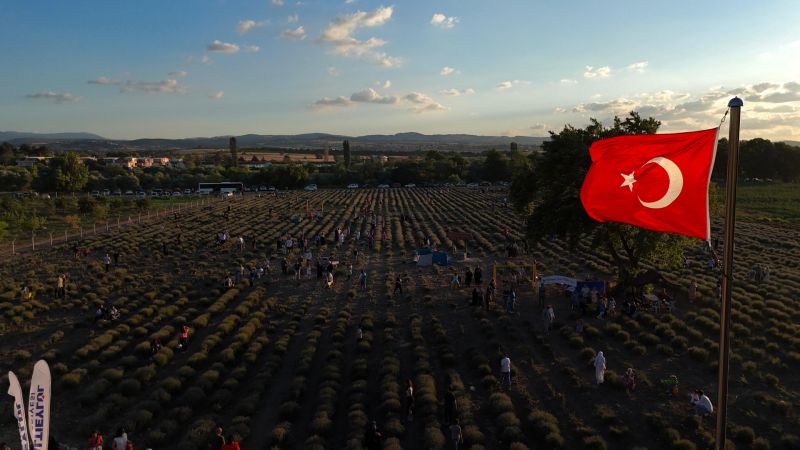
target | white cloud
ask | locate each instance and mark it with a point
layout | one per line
(298, 33)
(222, 47)
(384, 84)
(66, 97)
(329, 102)
(251, 49)
(103, 81)
(455, 92)
(178, 73)
(440, 20)
(560, 110)
(567, 81)
(421, 103)
(277, 2)
(340, 30)
(333, 71)
(169, 86)
(370, 95)
(638, 66)
(246, 25)
(509, 84)
(600, 72)
(539, 128)
(447, 71)
(205, 60)
(347, 2)
(217, 95)
(293, 18)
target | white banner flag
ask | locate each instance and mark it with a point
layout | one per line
(39, 406)
(15, 390)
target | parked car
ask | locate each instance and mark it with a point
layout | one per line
(410, 185)
(352, 186)
(187, 191)
(95, 194)
(141, 193)
(271, 189)
(311, 187)
(177, 194)
(128, 192)
(262, 188)
(106, 192)
(45, 196)
(472, 185)
(383, 186)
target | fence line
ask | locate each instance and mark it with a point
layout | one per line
(48, 240)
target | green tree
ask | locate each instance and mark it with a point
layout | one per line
(3, 231)
(346, 153)
(496, 167)
(66, 173)
(7, 155)
(234, 149)
(548, 192)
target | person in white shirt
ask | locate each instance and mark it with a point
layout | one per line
(600, 368)
(702, 406)
(505, 371)
(120, 440)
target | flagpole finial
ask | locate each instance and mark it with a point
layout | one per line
(735, 101)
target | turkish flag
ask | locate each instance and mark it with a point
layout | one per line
(653, 181)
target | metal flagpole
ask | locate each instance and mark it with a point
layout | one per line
(735, 104)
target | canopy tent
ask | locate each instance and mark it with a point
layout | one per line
(426, 257)
(571, 283)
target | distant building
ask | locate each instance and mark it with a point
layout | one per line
(30, 161)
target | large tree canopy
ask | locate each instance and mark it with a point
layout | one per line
(548, 193)
(65, 173)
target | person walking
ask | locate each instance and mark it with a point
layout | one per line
(505, 371)
(60, 286)
(373, 439)
(362, 280)
(183, 337)
(548, 317)
(231, 443)
(95, 441)
(398, 285)
(478, 276)
(409, 400)
(450, 406)
(456, 435)
(107, 261)
(120, 441)
(599, 368)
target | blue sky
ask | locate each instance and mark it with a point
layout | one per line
(183, 68)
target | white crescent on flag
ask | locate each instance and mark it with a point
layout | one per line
(675, 183)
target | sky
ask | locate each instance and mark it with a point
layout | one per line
(187, 68)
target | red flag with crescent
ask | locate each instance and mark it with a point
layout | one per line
(654, 181)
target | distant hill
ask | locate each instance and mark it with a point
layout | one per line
(20, 137)
(398, 141)
(793, 143)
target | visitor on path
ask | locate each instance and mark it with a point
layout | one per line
(409, 400)
(455, 435)
(398, 286)
(155, 346)
(579, 327)
(284, 266)
(468, 277)
(450, 406)
(349, 271)
(217, 440)
(329, 280)
(477, 296)
(95, 441)
(297, 267)
(478, 276)
(231, 444)
(455, 282)
(702, 405)
(601, 309)
(116, 257)
(120, 441)
(362, 280)
(228, 283)
(629, 379)
(511, 301)
(183, 338)
(61, 282)
(373, 440)
(548, 317)
(611, 309)
(107, 261)
(692, 291)
(599, 368)
(505, 371)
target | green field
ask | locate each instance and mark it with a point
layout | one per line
(769, 201)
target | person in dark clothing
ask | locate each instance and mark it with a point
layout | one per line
(450, 406)
(116, 257)
(477, 296)
(468, 277)
(164, 247)
(319, 270)
(373, 439)
(398, 286)
(284, 266)
(478, 275)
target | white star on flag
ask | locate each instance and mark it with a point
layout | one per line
(629, 180)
